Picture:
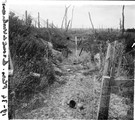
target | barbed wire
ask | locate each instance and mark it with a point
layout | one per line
(43, 23)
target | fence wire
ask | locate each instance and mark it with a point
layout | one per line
(43, 23)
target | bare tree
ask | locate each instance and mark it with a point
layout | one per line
(91, 22)
(120, 25)
(68, 25)
(65, 17)
(72, 17)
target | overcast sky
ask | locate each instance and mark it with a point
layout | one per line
(106, 16)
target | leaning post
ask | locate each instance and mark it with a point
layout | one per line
(105, 88)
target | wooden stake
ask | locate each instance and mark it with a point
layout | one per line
(76, 46)
(105, 91)
(35, 23)
(120, 25)
(47, 23)
(44, 23)
(93, 92)
(38, 20)
(52, 24)
(26, 17)
(119, 64)
(101, 56)
(123, 19)
(112, 72)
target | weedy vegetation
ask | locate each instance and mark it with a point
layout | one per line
(38, 54)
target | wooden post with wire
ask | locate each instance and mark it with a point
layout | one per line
(123, 19)
(119, 63)
(44, 23)
(108, 74)
(26, 17)
(47, 23)
(112, 72)
(52, 24)
(38, 20)
(76, 47)
(35, 23)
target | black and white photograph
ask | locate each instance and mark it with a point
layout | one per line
(69, 60)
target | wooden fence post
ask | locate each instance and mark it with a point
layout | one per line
(112, 73)
(101, 56)
(119, 64)
(123, 19)
(26, 17)
(52, 24)
(76, 47)
(92, 53)
(35, 23)
(105, 90)
(47, 23)
(38, 20)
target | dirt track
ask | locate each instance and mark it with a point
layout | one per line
(79, 78)
(77, 87)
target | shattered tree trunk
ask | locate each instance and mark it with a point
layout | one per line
(72, 17)
(106, 82)
(94, 30)
(91, 22)
(67, 25)
(65, 17)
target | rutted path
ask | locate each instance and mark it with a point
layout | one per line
(77, 87)
(78, 81)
